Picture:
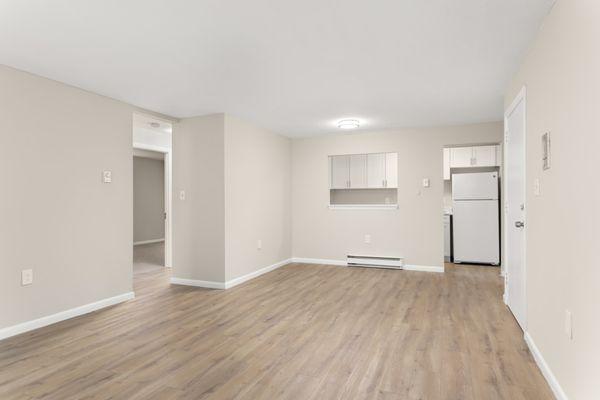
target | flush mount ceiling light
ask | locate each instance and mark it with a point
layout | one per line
(348, 124)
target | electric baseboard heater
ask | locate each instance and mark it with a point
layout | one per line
(374, 261)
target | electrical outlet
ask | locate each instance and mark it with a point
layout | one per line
(569, 324)
(26, 277)
(182, 195)
(107, 176)
(367, 238)
(259, 244)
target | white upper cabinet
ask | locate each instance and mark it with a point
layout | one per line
(376, 170)
(472, 156)
(461, 157)
(446, 164)
(484, 156)
(391, 170)
(358, 171)
(363, 171)
(340, 172)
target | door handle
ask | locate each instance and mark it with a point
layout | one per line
(519, 224)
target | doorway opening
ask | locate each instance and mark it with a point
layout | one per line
(152, 161)
(472, 219)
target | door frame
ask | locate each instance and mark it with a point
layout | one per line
(520, 98)
(168, 192)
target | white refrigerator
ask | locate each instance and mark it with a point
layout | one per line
(476, 218)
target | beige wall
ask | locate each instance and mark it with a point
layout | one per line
(58, 218)
(414, 231)
(148, 199)
(199, 220)
(257, 198)
(562, 76)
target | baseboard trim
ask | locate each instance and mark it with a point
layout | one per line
(239, 280)
(148, 241)
(559, 393)
(424, 268)
(230, 283)
(63, 315)
(198, 283)
(319, 261)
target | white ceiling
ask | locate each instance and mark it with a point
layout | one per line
(295, 67)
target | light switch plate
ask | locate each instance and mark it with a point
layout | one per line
(26, 277)
(182, 195)
(107, 176)
(426, 182)
(536, 187)
(367, 238)
(259, 244)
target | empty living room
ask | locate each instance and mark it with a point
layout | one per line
(299, 200)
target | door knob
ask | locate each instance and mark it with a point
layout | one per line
(519, 224)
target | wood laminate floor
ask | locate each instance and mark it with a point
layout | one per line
(300, 332)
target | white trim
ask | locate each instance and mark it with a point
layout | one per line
(319, 261)
(63, 315)
(231, 283)
(239, 280)
(424, 268)
(363, 206)
(198, 283)
(148, 241)
(151, 147)
(521, 97)
(558, 391)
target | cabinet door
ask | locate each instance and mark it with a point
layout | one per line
(358, 171)
(461, 157)
(485, 156)
(446, 164)
(376, 170)
(391, 170)
(340, 172)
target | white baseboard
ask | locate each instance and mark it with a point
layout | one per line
(559, 393)
(424, 268)
(236, 281)
(198, 283)
(148, 241)
(231, 283)
(319, 261)
(63, 315)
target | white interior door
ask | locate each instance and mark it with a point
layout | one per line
(514, 152)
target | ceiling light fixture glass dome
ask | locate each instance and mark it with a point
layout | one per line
(348, 124)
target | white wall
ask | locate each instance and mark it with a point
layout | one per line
(414, 231)
(148, 199)
(562, 76)
(257, 198)
(199, 220)
(58, 218)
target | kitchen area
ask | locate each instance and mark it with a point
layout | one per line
(472, 204)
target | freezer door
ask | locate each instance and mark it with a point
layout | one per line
(475, 186)
(476, 231)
